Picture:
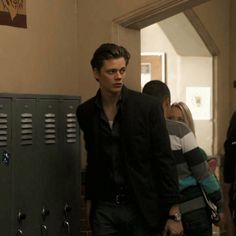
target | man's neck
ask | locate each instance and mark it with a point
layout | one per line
(109, 99)
(109, 104)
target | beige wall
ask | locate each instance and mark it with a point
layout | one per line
(233, 55)
(43, 57)
(52, 55)
(95, 27)
(215, 17)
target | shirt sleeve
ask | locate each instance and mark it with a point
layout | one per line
(163, 158)
(198, 165)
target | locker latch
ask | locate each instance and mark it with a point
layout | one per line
(6, 158)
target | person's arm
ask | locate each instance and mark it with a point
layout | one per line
(81, 117)
(229, 172)
(166, 171)
(163, 161)
(199, 167)
(88, 208)
(230, 152)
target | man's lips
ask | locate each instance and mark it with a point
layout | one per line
(118, 84)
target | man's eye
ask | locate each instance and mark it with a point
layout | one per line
(111, 72)
(122, 71)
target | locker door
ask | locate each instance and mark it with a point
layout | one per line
(52, 165)
(70, 154)
(5, 166)
(26, 169)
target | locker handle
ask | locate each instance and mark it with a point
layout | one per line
(45, 212)
(67, 227)
(67, 209)
(19, 232)
(6, 158)
(20, 217)
(44, 230)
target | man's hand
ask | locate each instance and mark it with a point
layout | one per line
(173, 228)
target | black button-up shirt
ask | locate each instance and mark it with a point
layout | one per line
(110, 146)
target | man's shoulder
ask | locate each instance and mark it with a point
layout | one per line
(141, 97)
(86, 107)
(87, 103)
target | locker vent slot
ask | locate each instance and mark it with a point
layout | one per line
(50, 128)
(3, 130)
(71, 122)
(26, 129)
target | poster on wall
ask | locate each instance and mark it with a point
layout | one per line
(198, 100)
(145, 73)
(13, 13)
(152, 67)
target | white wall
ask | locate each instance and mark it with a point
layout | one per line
(154, 40)
(197, 72)
(182, 72)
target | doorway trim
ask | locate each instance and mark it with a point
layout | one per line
(131, 23)
(155, 11)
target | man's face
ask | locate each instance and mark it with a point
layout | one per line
(111, 75)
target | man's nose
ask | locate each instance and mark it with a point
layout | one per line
(118, 74)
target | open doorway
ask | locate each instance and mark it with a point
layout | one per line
(126, 30)
(188, 70)
(186, 66)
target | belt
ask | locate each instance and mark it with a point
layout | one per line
(118, 198)
(192, 205)
(121, 198)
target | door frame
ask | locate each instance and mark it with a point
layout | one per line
(126, 31)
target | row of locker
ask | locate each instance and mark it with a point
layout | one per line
(39, 165)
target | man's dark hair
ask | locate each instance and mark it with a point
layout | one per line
(157, 89)
(108, 51)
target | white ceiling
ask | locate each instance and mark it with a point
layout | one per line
(183, 36)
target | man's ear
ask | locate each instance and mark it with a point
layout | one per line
(166, 102)
(166, 106)
(96, 74)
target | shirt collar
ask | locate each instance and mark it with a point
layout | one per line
(98, 97)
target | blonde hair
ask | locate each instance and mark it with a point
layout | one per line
(187, 115)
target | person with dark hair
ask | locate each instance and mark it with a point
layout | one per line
(229, 175)
(131, 185)
(192, 168)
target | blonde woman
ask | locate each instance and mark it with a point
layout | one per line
(181, 112)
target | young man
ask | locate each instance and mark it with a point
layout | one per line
(131, 178)
(192, 169)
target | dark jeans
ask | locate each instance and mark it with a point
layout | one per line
(110, 219)
(197, 223)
